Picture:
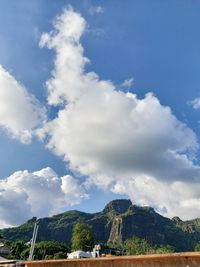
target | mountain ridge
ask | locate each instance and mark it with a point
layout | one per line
(117, 222)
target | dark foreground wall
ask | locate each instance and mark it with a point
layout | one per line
(167, 260)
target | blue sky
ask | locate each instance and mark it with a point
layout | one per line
(155, 43)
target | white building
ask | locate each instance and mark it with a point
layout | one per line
(79, 254)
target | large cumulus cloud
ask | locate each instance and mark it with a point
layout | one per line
(41, 193)
(113, 137)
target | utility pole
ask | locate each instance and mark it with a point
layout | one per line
(33, 240)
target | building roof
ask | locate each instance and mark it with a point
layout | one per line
(79, 254)
(3, 259)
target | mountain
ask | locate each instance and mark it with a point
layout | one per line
(118, 221)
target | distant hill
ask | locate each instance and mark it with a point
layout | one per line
(118, 221)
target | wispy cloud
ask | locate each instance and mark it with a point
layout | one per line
(127, 84)
(95, 10)
(195, 103)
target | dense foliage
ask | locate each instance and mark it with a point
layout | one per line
(43, 250)
(140, 246)
(137, 246)
(16, 249)
(197, 247)
(82, 237)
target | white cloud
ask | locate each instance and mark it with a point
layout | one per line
(111, 136)
(92, 10)
(127, 84)
(195, 103)
(42, 193)
(169, 198)
(69, 62)
(20, 112)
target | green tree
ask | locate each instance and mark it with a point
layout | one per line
(25, 253)
(82, 237)
(164, 249)
(59, 255)
(137, 246)
(197, 247)
(16, 249)
(47, 250)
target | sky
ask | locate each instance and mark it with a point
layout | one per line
(99, 100)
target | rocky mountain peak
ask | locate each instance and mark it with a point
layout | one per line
(176, 219)
(118, 206)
